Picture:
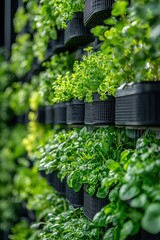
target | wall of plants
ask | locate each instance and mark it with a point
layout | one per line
(80, 122)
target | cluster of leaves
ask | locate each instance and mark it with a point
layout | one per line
(11, 149)
(49, 85)
(65, 10)
(23, 231)
(32, 188)
(7, 78)
(70, 225)
(44, 19)
(131, 37)
(22, 55)
(89, 76)
(134, 202)
(84, 157)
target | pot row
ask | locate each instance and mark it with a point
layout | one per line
(91, 204)
(79, 112)
(77, 32)
(134, 105)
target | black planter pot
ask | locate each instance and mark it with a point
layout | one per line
(148, 236)
(76, 34)
(60, 113)
(4, 235)
(49, 115)
(75, 198)
(59, 185)
(96, 11)
(41, 115)
(100, 111)
(23, 118)
(75, 112)
(92, 205)
(135, 237)
(138, 104)
(56, 46)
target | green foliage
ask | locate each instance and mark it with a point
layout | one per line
(133, 40)
(135, 200)
(7, 78)
(20, 20)
(52, 78)
(23, 231)
(21, 55)
(88, 75)
(85, 157)
(70, 225)
(11, 149)
(141, 181)
(64, 9)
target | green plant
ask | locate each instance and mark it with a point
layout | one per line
(21, 55)
(101, 151)
(22, 231)
(50, 86)
(65, 10)
(7, 77)
(11, 150)
(132, 40)
(141, 181)
(135, 200)
(70, 225)
(93, 74)
(82, 156)
(19, 97)
(20, 20)
(89, 74)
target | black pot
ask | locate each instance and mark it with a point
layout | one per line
(75, 198)
(138, 104)
(100, 111)
(57, 45)
(53, 180)
(148, 236)
(4, 234)
(49, 115)
(41, 115)
(75, 112)
(93, 205)
(135, 237)
(59, 185)
(96, 11)
(23, 118)
(60, 113)
(76, 34)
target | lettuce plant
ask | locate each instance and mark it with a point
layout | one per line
(131, 37)
(134, 202)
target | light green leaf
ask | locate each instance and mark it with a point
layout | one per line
(151, 218)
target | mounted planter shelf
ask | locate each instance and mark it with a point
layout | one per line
(75, 112)
(59, 185)
(22, 119)
(60, 113)
(92, 205)
(41, 115)
(57, 46)
(138, 104)
(100, 111)
(96, 11)
(76, 34)
(49, 115)
(75, 198)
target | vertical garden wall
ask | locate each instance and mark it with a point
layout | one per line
(80, 122)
